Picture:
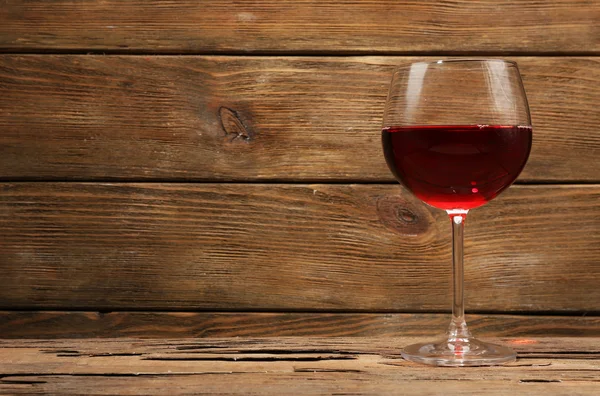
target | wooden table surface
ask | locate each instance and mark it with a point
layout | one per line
(287, 365)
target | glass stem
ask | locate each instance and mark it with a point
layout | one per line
(458, 330)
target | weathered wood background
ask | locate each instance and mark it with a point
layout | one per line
(223, 157)
(289, 26)
(287, 365)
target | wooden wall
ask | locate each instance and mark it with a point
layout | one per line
(214, 168)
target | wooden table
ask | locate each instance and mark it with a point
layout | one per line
(286, 365)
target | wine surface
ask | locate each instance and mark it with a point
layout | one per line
(456, 166)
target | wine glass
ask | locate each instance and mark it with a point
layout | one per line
(456, 133)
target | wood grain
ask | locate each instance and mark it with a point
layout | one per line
(331, 382)
(64, 324)
(251, 118)
(287, 365)
(291, 247)
(311, 26)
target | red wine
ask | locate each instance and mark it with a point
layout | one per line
(457, 166)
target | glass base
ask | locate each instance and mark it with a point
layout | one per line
(459, 352)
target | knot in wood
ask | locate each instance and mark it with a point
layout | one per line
(406, 216)
(403, 216)
(233, 126)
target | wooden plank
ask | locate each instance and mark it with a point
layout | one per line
(274, 384)
(239, 118)
(276, 26)
(297, 365)
(291, 247)
(64, 324)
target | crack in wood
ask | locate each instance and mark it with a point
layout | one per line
(560, 355)
(539, 380)
(277, 351)
(530, 365)
(74, 353)
(202, 347)
(348, 394)
(97, 354)
(325, 370)
(62, 351)
(8, 377)
(253, 358)
(22, 382)
(565, 353)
